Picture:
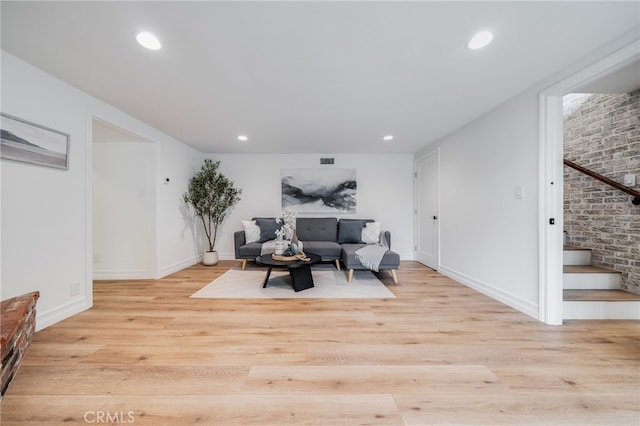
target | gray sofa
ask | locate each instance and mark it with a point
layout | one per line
(332, 239)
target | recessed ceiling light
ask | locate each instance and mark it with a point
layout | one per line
(243, 138)
(480, 40)
(388, 137)
(148, 40)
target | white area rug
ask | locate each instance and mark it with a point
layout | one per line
(328, 284)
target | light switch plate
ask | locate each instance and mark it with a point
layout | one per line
(630, 180)
(519, 192)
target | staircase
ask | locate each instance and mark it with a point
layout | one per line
(592, 292)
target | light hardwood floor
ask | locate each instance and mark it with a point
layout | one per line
(439, 353)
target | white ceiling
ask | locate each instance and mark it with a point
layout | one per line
(308, 77)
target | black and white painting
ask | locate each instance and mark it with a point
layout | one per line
(319, 190)
(31, 143)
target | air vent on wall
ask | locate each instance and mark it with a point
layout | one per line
(326, 160)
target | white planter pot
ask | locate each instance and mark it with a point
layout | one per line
(210, 258)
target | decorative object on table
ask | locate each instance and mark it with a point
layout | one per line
(289, 219)
(27, 142)
(319, 190)
(211, 195)
(292, 252)
(280, 243)
(288, 257)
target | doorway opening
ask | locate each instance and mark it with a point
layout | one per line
(607, 75)
(123, 204)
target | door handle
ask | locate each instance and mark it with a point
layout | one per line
(435, 218)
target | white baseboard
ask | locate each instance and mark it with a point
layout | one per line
(123, 274)
(507, 298)
(52, 316)
(178, 266)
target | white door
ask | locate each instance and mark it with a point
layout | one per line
(428, 234)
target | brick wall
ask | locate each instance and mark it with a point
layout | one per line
(17, 327)
(602, 133)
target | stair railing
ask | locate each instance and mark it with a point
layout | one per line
(610, 182)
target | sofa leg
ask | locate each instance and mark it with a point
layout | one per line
(338, 264)
(395, 277)
(244, 264)
(350, 275)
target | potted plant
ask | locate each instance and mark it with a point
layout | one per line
(211, 194)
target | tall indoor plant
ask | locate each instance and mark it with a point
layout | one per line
(211, 194)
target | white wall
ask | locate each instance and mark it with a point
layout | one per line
(489, 239)
(385, 191)
(176, 232)
(47, 213)
(44, 210)
(123, 210)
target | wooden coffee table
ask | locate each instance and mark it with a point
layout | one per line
(300, 271)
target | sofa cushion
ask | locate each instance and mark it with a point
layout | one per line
(371, 232)
(268, 228)
(251, 231)
(350, 231)
(390, 260)
(327, 250)
(317, 229)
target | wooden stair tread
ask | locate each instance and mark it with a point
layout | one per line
(576, 248)
(587, 269)
(599, 295)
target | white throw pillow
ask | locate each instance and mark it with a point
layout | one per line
(251, 231)
(371, 232)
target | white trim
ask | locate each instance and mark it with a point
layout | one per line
(550, 207)
(121, 274)
(551, 170)
(608, 65)
(507, 298)
(88, 218)
(62, 312)
(178, 266)
(152, 245)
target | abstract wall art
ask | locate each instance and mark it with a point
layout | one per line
(28, 142)
(319, 190)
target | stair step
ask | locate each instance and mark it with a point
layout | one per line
(599, 295)
(573, 255)
(588, 277)
(601, 304)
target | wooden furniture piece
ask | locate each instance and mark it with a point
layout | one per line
(299, 270)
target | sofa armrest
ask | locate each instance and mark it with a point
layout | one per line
(238, 241)
(387, 237)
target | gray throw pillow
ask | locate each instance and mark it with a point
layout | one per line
(350, 231)
(268, 228)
